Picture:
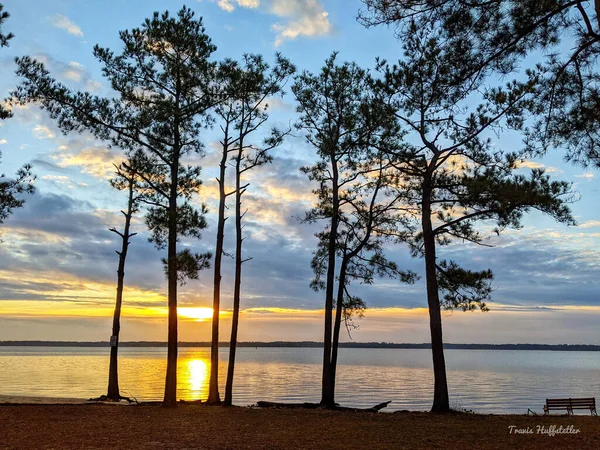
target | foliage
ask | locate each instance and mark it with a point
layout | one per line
(4, 38)
(11, 189)
(352, 129)
(497, 35)
(452, 170)
(189, 264)
(166, 86)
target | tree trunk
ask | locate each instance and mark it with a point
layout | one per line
(326, 393)
(170, 398)
(337, 327)
(213, 387)
(440, 395)
(237, 283)
(113, 373)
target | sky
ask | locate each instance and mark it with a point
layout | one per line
(58, 262)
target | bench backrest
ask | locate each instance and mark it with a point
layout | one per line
(573, 403)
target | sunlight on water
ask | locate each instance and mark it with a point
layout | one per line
(194, 375)
(484, 381)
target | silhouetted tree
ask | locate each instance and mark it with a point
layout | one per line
(252, 84)
(227, 143)
(4, 38)
(350, 128)
(126, 179)
(11, 189)
(497, 36)
(165, 85)
(452, 175)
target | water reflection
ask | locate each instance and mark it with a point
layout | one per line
(193, 378)
(498, 381)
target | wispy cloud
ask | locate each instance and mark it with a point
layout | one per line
(43, 132)
(64, 23)
(96, 161)
(305, 18)
(587, 176)
(537, 165)
(590, 224)
(229, 5)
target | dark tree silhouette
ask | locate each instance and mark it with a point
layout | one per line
(497, 35)
(225, 112)
(453, 177)
(4, 38)
(11, 189)
(251, 85)
(126, 179)
(166, 85)
(350, 128)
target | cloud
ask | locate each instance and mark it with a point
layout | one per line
(64, 23)
(305, 18)
(228, 5)
(3, 141)
(96, 161)
(537, 165)
(586, 176)
(590, 224)
(74, 71)
(43, 132)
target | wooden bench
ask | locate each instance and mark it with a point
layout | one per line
(570, 404)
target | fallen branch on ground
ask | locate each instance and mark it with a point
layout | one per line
(376, 408)
(104, 398)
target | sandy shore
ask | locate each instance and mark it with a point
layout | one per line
(80, 425)
(23, 400)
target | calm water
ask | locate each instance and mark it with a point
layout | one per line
(484, 381)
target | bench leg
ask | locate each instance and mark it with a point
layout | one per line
(593, 411)
(569, 411)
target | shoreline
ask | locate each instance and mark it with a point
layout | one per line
(28, 400)
(309, 344)
(91, 425)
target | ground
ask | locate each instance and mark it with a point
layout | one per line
(192, 426)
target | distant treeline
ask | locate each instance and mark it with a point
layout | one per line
(312, 344)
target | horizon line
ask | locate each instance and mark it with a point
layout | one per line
(305, 344)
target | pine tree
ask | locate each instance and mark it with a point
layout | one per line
(165, 85)
(343, 120)
(453, 177)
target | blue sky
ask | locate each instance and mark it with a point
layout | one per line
(57, 261)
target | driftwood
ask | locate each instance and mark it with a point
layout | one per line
(376, 408)
(104, 398)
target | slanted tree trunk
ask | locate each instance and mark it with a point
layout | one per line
(326, 387)
(239, 190)
(337, 326)
(440, 395)
(113, 373)
(170, 398)
(213, 386)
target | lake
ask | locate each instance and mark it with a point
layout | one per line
(485, 381)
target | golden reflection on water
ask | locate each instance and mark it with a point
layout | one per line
(193, 378)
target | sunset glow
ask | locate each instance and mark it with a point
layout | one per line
(200, 314)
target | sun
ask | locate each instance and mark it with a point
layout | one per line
(199, 313)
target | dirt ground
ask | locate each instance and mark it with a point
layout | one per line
(202, 427)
